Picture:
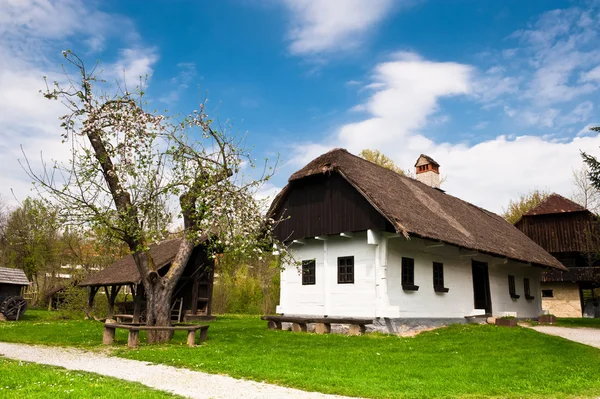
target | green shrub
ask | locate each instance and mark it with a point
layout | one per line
(246, 287)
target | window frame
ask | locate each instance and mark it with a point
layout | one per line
(407, 274)
(512, 287)
(527, 289)
(347, 272)
(438, 277)
(548, 291)
(309, 278)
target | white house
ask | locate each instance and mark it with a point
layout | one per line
(371, 243)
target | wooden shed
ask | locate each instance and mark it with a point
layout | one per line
(571, 233)
(192, 296)
(12, 282)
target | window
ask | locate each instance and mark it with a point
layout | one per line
(547, 294)
(346, 270)
(308, 272)
(527, 289)
(438, 277)
(408, 275)
(512, 288)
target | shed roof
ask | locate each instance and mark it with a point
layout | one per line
(414, 208)
(428, 159)
(124, 271)
(13, 276)
(555, 204)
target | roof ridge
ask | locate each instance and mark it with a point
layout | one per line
(539, 208)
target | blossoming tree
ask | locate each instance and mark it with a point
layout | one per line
(128, 162)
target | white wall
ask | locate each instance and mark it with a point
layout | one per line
(377, 289)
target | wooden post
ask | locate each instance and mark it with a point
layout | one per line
(274, 325)
(299, 327)
(210, 279)
(137, 301)
(322, 328)
(109, 335)
(90, 304)
(195, 284)
(111, 296)
(203, 334)
(133, 338)
(356, 329)
(191, 339)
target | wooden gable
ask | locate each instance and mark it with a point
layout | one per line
(322, 205)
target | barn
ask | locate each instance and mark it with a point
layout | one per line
(369, 242)
(192, 296)
(571, 233)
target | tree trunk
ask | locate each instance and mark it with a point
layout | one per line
(158, 307)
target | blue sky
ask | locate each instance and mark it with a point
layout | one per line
(500, 93)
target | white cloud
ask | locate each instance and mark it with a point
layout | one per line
(320, 26)
(132, 64)
(405, 98)
(581, 113)
(408, 90)
(560, 45)
(32, 34)
(481, 125)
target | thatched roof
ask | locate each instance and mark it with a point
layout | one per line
(555, 204)
(124, 271)
(416, 209)
(13, 276)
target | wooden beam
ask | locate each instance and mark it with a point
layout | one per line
(111, 296)
(347, 235)
(321, 238)
(434, 244)
(469, 254)
(299, 242)
(90, 304)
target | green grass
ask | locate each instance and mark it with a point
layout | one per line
(458, 361)
(28, 380)
(578, 322)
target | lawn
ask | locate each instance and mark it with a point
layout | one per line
(578, 322)
(28, 380)
(458, 361)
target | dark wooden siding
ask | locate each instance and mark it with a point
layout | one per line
(562, 232)
(323, 205)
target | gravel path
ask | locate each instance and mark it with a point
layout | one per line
(587, 336)
(193, 384)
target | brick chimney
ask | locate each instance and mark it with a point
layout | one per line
(428, 171)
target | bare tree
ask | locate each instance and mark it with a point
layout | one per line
(4, 212)
(584, 192)
(127, 161)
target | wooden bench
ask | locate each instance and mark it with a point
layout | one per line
(121, 318)
(134, 332)
(322, 324)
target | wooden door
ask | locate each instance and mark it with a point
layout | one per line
(481, 286)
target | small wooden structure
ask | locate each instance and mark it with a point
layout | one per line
(322, 324)
(192, 296)
(12, 303)
(571, 233)
(134, 332)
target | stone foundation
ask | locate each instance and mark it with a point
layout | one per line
(395, 325)
(566, 301)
